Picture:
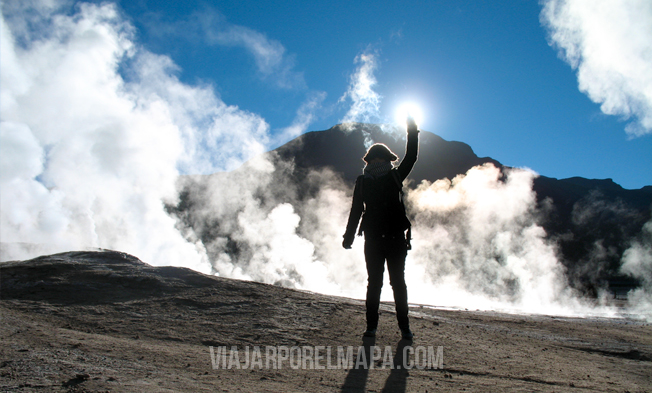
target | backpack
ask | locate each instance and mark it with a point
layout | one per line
(381, 211)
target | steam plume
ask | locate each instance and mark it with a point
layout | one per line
(637, 262)
(365, 102)
(477, 237)
(91, 158)
(88, 157)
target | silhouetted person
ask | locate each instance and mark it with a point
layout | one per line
(378, 194)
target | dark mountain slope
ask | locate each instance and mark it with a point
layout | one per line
(592, 221)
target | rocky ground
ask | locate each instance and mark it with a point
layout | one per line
(105, 321)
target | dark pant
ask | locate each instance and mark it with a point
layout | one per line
(377, 249)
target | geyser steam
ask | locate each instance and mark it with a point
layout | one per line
(479, 234)
(91, 159)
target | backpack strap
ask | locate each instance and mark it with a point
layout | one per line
(408, 238)
(359, 183)
(399, 184)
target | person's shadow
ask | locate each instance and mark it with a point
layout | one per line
(397, 380)
(356, 379)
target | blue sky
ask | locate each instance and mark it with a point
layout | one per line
(559, 86)
(484, 73)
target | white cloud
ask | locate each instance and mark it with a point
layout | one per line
(304, 117)
(272, 60)
(609, 44)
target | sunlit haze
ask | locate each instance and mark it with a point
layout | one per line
(109, 108)
(409, 109)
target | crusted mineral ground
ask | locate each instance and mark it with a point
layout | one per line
(105, 321)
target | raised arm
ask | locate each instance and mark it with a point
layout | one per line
(411, 149)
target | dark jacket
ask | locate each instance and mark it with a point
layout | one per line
(380, 199)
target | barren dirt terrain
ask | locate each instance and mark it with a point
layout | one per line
(105, 321)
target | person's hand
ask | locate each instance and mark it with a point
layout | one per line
(411, 125)
(347, 242)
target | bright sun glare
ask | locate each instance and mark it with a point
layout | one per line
(408, 108)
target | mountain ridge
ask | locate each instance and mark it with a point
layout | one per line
(438, 158)
(350, 136)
